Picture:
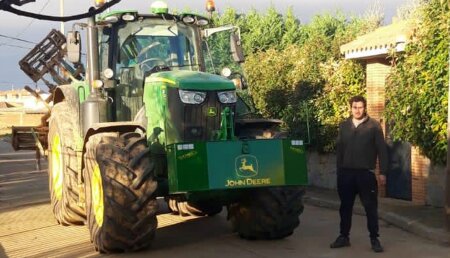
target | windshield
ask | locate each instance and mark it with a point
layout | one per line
(216, 49)
(148, 43)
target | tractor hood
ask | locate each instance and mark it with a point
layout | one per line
(191, 80)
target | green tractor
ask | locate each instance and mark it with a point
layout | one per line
(145, 121)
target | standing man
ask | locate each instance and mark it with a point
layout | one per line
(360, 142)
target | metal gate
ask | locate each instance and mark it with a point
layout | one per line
(398, 179)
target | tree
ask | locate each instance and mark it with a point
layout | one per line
(293, 31)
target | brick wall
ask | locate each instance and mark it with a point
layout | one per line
(376, 72)
(420, 166)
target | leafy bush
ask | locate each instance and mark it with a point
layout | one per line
(295, 71)
(417, 88)
(344, 79)
(308, 80)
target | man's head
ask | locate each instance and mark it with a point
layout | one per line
(358, 107)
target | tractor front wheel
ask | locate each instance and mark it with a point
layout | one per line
(63, 168)
(120, 186)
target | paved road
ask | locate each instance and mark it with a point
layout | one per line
(30, 230)
(20, 182)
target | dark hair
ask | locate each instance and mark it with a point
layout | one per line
(358, 99)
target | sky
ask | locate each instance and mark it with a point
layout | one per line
(11, 51)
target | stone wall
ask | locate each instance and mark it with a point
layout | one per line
(322, 170)
(435, 186)
(429, 188)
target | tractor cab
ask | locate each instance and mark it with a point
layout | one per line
(156, 64)
(143, 42)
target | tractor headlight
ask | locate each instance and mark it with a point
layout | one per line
(128, 17)
(227, 97)
(188, 19)
(192, 97)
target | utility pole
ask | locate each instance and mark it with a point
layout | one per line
(61, 13)
(447, 184)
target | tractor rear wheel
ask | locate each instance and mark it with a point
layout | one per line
(188, 208)
(63, 168)
(120, 186)
(267, 213)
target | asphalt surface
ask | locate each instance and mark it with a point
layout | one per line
(32, 232)
(28, 229)
(20, 181)
(424, 221)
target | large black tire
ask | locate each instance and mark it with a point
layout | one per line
(267, 213)
(120, 186)
(186, 208)
(62, 168)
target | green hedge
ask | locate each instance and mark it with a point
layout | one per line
(308, 79)
(418, 84)
(295, 71)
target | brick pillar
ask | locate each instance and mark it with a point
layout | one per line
(420, 166)
(377, 71)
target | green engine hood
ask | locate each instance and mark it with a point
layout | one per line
(190, 80)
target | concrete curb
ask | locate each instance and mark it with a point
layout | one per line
(412, 226)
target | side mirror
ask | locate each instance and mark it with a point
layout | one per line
(73, 44)
(236, 48)
(239, 83)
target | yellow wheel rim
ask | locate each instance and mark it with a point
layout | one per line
(57, 171)
(97, 195)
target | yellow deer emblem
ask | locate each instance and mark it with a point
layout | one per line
(245, 167)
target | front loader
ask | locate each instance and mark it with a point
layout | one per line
(145, 120)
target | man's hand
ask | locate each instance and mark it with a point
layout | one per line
(382, 179)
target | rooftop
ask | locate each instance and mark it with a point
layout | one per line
(380, 41)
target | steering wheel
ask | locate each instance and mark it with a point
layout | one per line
(146, 49)
(149, 63)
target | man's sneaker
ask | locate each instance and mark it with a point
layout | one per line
(341, 241)
(376, 245)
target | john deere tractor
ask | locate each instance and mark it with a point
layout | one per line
(145, 120)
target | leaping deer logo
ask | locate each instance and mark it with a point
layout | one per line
(246, 166)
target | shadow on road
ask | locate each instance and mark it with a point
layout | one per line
(2, 252)
(183, 236)
(192, 231)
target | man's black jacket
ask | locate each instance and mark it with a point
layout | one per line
(358, 148)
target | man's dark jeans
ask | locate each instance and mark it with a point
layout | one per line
(351, 182)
